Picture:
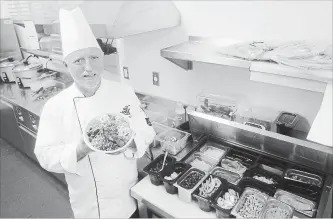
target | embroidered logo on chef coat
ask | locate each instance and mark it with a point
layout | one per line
(126, 111)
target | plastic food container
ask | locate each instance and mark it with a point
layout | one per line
(250, 204)
(153, 168)
(95, 121)
(204, 201)
(231, 177)
(173, 140)
(303, 177)
(265, 177)
(229, 200)
(202, 162)
(210, 150)
(259, 117)
(188, 182)
(233, 166)
(217, 105)
(247, 182)
(301, 205)
(179, 168)
(246, 158)
(286, 122)
(276, 209)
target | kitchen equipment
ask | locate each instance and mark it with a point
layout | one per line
(26, 72)
(286, 122)
(276, 209)
(179, 168)
(172, 140)
(231, 177)
(6, 67)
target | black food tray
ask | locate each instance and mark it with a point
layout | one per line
(226, 212)
(263, 187)
(247, 158)
(271, 165)
(260, 172)
(152, 169)
(180, 168)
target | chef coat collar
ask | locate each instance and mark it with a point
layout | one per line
(77, 93)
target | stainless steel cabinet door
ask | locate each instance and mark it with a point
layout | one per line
(8, 126)
(29, 139)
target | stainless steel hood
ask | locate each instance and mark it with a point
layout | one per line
(127, 18)
(200, 50)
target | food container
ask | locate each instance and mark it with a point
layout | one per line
(156, 117)
(26, 72)
(298, 187)
(173, 140)
(301, 205)
(46, 88)
(247, 182)
(188, 182)
(265, 177)
(276, 209)
(246, 158)
(303, 177)
(207, 191)
(6, 68)
(233, 166)
(231, 177)
(212, 150)
(202, 162)
(123, 133)
(228, 198)
(217, 105)
(258, 117)
(271, 165)
(179, 168)
(286, 122)
(250, 204)
(154, 167)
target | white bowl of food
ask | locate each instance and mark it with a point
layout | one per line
(109, 133)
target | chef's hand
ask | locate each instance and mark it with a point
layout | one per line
(130, 151)
(82, 149)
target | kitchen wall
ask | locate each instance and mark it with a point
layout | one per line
(239, 20)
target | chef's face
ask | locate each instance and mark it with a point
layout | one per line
(86, 67)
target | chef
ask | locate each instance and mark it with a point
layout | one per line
(98, 184)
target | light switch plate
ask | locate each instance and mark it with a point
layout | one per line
(126, 72)
(156, 79)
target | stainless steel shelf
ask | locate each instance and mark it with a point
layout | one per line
(183, 54)
(43, 54)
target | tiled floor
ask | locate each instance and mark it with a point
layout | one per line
(27, 190)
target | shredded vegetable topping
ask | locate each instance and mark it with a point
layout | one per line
(109, 132)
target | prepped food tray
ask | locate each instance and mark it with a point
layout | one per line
(173, 140)
(202, 162)
(212, 151)
(233, 166)
(258, 185)
(154, 167)
(250, 204)
(187, 183)
(231, 177)
(246, 158)
(300, 204)
(276, 209)
(303, 177)
(258, 123)
(207, 190)
(265, 177)
(226, 199)
(286, 122)
(171, 174)
(272, 166)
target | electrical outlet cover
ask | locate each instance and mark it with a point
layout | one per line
(156, 79)
(126, 73)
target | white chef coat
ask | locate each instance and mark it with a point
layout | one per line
(99, 184)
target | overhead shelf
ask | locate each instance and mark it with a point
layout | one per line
(43, 54)
(183, 54)
(201, 50)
